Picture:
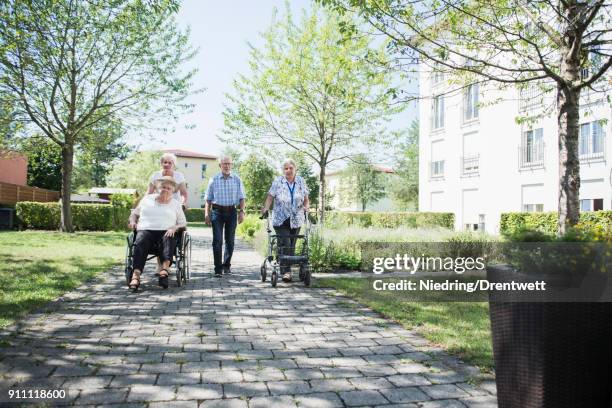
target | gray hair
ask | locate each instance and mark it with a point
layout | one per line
(290, 161)
(168, 156)
(225, 156)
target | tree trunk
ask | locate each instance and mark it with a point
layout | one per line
(569, 166)
(321, 193)
(67, 161)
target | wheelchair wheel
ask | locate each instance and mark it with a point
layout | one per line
(274, 278)
(263, 271)
(179, 270)
(307, 274)
(188, 259)
(129, 260)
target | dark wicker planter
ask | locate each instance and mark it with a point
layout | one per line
(552, 355)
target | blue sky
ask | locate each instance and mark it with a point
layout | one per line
(221, 29)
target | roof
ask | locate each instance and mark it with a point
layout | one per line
(377, 167)
(83, 198)
(108, 190)
(188, 153)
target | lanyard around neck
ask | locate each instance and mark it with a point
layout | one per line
(291, 190)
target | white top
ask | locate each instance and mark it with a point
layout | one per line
(157, 216)
(178, 177)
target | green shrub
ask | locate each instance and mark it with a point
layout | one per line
(195, 215)
(32, 215)
(123, 200)
(85, 217)
(529, 227)
(249, 227)
(341, 219)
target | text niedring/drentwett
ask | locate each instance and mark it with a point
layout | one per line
(456, 285)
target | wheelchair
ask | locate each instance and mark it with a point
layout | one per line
(182, 256)
(278, 254)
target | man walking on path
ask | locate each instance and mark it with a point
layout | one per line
(225, 192)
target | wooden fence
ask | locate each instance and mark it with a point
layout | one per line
(13, 193)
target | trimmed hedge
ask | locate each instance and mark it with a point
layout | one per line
(339, 219)
(85, 217)
(195, 215)
(512, 224)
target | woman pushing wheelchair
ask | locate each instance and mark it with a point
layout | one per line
(156, 220)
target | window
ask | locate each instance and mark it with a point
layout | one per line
(532, 197)
(437, 168)
(437, 77)
(592, 65)
(533, 207)
(531, 151)
(436, 165)
(591, 204)
(204, 170)
(470, 161)
(438, 112)
(591, 141)
(470, 102)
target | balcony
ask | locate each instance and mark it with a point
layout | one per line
(531, 156)
(530, 98)
(436, 169)
(470, 165)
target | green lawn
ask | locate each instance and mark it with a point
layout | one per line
(39, 266)
(461, 328)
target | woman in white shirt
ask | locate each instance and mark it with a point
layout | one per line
(168, 168)
(156, 220)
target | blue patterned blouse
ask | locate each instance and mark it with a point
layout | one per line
(286, 206)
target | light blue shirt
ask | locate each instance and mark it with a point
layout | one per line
(286, 207)
(225, 191)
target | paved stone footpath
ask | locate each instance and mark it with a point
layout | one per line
(229, 342)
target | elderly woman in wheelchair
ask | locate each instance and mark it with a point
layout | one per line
(156, 220)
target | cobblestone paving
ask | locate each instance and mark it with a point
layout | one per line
(229, 342)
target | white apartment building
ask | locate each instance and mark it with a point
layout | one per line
(197, 168)
(477, 161)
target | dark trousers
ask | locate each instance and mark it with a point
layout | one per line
(147, 241)
(284, 242)
(223, 221)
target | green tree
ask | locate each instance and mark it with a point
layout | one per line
(304, 169)
(135, 171)
(561, 46)
(71, 64)
(257, 177)
(361, 182)
(310, 90)
(404, 186)
(9, 126)
(96, 153)
(44, 161)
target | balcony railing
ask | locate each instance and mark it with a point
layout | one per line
(531, 155)
(593, 150)
(470, 164)
(436, 169)
(529, 98)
